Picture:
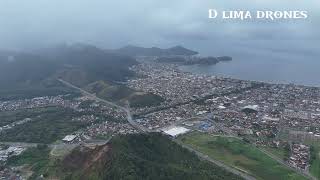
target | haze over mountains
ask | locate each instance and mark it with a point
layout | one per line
(154, 51)
(79, 63)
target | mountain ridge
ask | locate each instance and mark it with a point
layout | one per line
(154, 51)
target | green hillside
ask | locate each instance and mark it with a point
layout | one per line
(134, 157)
(147, 157)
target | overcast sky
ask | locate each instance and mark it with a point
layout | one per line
(164, 23)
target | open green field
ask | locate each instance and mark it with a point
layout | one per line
(281, 152)
(240, 155)
(315, 160)
(315, 164)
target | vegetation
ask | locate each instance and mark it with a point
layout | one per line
(144, 100)
(47, 125)
(8, 117)
(315, 160)
(121, 93)
(281, 152)
(36, 158)
(28, 93)
(139, 157)
(109, 91)
(241, 155)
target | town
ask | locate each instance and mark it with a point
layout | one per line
(260, 113)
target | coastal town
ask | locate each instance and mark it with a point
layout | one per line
(262, 113)
(258, 112)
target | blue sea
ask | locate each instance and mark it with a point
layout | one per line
(284, 62)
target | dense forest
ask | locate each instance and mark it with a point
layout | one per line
(141, 156)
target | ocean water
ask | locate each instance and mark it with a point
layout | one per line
(289, 62)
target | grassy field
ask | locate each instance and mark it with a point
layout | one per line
(315, 165)
(315, 162)
(240, 155)
(280, 152)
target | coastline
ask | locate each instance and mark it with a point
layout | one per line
(182, 68)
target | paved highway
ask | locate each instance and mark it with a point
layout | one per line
(94, 97)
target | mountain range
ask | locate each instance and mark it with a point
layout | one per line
(100, 71)
(154, 51)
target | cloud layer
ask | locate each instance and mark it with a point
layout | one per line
(115, 23)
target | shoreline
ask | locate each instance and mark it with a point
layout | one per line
(178, 67)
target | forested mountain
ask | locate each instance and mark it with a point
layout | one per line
(82, 63)
(154, 51)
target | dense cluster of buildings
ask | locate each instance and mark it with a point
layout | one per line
(6, 152)
(211, 104)
(103, 118)
(100, 131)
(244, 108)
(262, 110)
(37, 102)
(169, 116)
(9, 173)
(300, 156)
(109, 128)
(168, 82)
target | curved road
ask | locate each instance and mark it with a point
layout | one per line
(94, 97)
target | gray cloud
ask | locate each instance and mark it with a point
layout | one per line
(115, 23)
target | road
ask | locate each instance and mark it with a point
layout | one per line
(207, 158)
(94, 97)
(201, 155)
(144, 130)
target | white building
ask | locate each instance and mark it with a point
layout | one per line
(175, 131)
(69, 138)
